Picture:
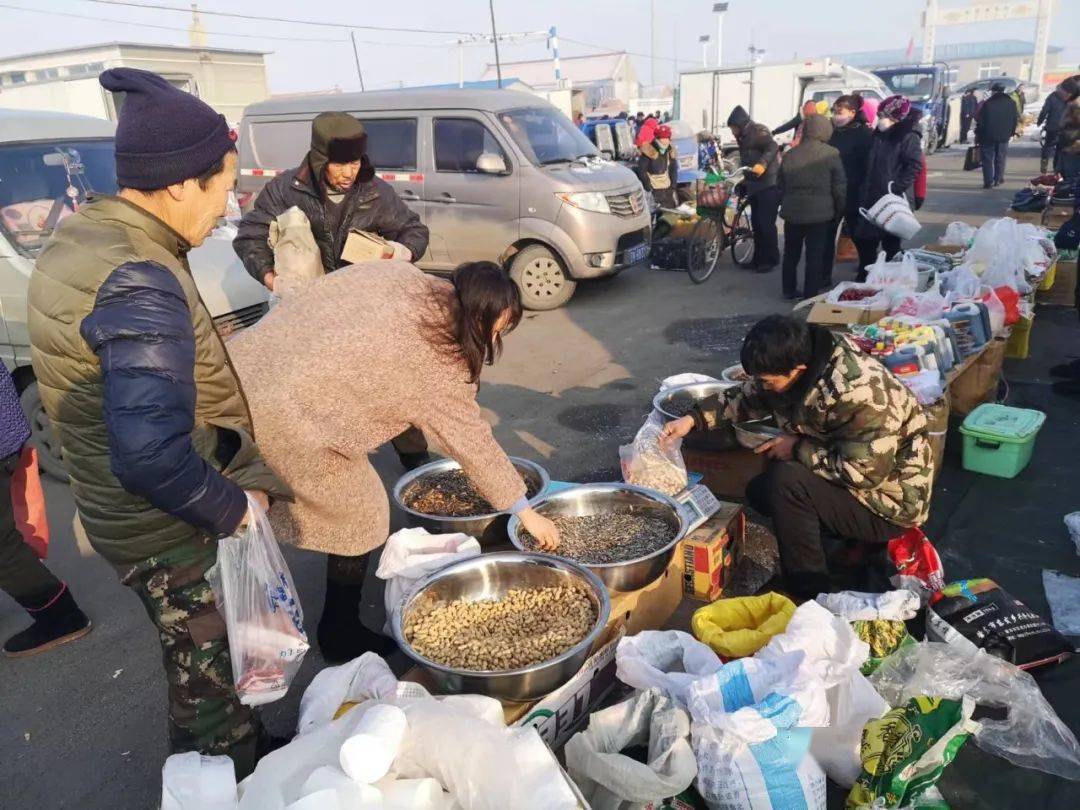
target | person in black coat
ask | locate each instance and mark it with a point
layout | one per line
(894, 163)
(995, 126)
(853, 138)
(759, 151)
(1050, 118)
(968, 105)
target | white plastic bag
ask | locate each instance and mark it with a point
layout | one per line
(410, 554)
(751, 731)
(1031, 735)
(609, 779)
(879, 298)
(191, 781)
(960, 284)
(831, 654)
(994, 308)
(669, 660)
(648, 463)
(256, 597)
(365, 678)
(958, 233)
(903, 273)
(855, 605)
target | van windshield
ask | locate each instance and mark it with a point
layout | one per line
(42, 183)
(547, 136)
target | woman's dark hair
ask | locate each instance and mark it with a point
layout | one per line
(483, 292)
(776, 345)
(852, 102)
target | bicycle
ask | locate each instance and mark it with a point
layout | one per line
(724, 223)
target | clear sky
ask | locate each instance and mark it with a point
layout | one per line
(784, 28)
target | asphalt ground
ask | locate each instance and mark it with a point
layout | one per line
(84, 725)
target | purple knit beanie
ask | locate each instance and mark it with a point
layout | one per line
(164, 135)
(894, 107)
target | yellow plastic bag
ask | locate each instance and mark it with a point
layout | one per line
(736, 628)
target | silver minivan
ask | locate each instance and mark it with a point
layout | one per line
(494, 174)
(49, 163)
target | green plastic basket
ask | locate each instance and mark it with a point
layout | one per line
(999, 440)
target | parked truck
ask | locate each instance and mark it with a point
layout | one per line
(926, 86)
(771, 94)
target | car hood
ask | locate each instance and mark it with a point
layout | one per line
(594, 175)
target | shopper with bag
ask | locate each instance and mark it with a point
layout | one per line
(56, 617)
(854, 454)
(995, 126)
(853, 139)
(155, 432)
(893, 165)
(814, 189)
(759, 151)
(658, 167)
(968, 105)
(346, 364)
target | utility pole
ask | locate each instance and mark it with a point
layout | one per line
(652, 42)
(704, 40)
(495, 41)
(720, 9)
(929, 31)
(356, 55)
(553, 44)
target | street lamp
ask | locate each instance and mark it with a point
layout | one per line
(704, 40)
(719, 9)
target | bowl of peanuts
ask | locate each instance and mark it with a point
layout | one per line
(512, 625)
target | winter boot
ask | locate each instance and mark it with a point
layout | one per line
(341, 635)
(57, 622)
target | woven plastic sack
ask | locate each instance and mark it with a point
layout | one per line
(652, 464)
(668, 660)
(736, 628)
(297, 260)
(257, 598)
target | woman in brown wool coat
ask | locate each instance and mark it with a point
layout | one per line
(343, 365)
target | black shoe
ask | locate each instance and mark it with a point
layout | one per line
(1070, 370)
(59, 622)
(793, 296)
(1067, 388)
(988, 185)
(340, 633)
(998, 183)
(410, 461)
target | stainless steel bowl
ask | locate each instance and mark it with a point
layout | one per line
(696, 391)
(594, 499)
(490, 576)
(489, 529)
(756, 432)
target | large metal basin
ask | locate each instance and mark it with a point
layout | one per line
(695, 391)
(593, 499)
(489, 576)
(489, 529)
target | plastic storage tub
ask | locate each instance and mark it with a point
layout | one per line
(998, 440)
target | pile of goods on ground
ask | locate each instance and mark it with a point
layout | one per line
(524, 627)
(450, 494)
(612, 537)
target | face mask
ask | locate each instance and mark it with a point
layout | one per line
(842, 120)
(884, 123)
(661, 147)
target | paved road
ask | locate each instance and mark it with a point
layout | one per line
(83, 727)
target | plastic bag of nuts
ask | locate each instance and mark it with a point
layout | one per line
(647, 463)
(523, 627)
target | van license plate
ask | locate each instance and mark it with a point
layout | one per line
(636, 254)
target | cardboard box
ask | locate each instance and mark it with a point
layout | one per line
(1063, 293)
(707, 552)
(362, 246)
(1030, 217)
(978, 381)
(650, 607)
(725, 472)
(838, 314)
(937, 417)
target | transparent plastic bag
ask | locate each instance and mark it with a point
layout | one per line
(903, 273)
(995, 309)
(1031, 735)
(256, 597)
(958, 233)
(669, 660)
(648, 463)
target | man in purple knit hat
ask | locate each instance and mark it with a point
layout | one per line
(154, 429)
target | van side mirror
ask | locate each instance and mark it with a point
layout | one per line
(490, 163)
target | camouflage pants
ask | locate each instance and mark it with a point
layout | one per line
(205, 714)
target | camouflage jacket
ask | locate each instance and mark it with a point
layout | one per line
(860, 427)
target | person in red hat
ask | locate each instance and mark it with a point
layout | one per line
(658, 167)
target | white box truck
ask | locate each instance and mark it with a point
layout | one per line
(771, 94)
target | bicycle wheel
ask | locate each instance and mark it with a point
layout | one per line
(742, 238)
(703, 249)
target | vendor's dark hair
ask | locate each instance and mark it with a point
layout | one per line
(482, 293)
(776, 345)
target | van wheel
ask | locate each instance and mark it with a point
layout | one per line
(42, 436)
(541, 278)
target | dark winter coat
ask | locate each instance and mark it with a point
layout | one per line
(968, 105)
(370, 205)
(812, 178)
(1052, 112)
(756, 145)
(653, 166)
(154, 430)
(14, 429)
(997, 120)
(854, 142)
(895, 157)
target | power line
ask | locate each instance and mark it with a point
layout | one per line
(618, 50)
(262, 18)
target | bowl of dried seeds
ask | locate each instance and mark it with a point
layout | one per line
(511, 625)
(680, 400)
(624, 534)
(440, 497)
